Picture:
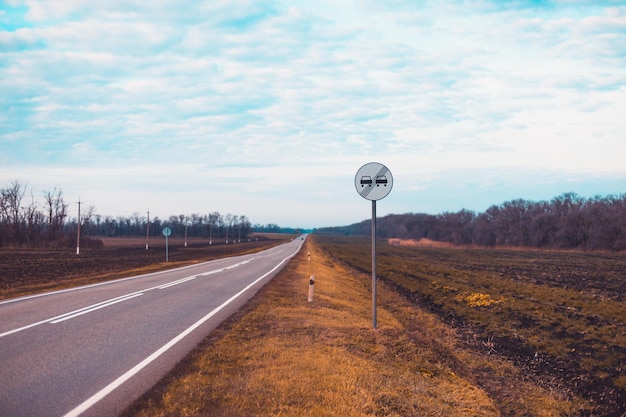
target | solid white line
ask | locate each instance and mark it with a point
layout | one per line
(23, 328)
(58, 319)
(45, 294)
(73, 313)
(89, 307)
(82, 311)
(133, 371)
(215, 271)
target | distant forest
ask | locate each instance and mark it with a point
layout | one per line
(568, 221)
(27, 222)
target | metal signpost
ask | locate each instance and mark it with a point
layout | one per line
(373, 182)
(166, 232)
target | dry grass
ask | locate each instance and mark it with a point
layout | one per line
(284, 356)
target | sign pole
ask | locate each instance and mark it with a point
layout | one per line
(166, 232)
(374, 324)
(373, 181)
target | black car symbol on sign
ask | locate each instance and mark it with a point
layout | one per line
(381, 179)
(366, 180)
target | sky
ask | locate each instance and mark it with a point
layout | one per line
(268, 109)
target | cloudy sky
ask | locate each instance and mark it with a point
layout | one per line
(268, 109)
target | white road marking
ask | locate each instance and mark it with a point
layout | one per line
(180, 281)
(91, 401)
(106, 303)
(75, 313)
(116, 281)
(95, 307)
(19, 329)
(57, 319)
(215, 271)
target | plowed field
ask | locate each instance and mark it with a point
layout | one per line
(561, 316)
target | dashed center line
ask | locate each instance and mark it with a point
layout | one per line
(180, 281)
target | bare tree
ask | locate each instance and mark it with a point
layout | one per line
(56, 211)
(228, 221)
(32, 219)
(11, 202)
(86, 217)
(214, 222)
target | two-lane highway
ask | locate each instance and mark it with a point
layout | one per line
(91, 351)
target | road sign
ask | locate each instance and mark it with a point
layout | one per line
(166, 232)
(373, 181)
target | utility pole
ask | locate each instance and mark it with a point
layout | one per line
(78, 230)
(148, 230)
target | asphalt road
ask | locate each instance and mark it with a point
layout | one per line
(91, 351)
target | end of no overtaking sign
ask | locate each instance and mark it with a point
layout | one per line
(373, 181)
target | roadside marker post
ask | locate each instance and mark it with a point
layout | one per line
(311, 287)
(373, 181)
(166, 232)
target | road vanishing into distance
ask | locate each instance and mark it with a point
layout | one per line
(93, 350)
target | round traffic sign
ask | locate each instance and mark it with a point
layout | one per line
(167, 231)
(373, 181)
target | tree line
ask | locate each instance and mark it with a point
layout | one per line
(27, 221)
(568, 221)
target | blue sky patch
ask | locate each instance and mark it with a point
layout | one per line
(468, 104)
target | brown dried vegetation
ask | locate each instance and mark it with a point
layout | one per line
(284, 356)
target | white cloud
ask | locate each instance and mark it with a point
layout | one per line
(282, 97)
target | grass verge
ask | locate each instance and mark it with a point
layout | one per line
(284, 356)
